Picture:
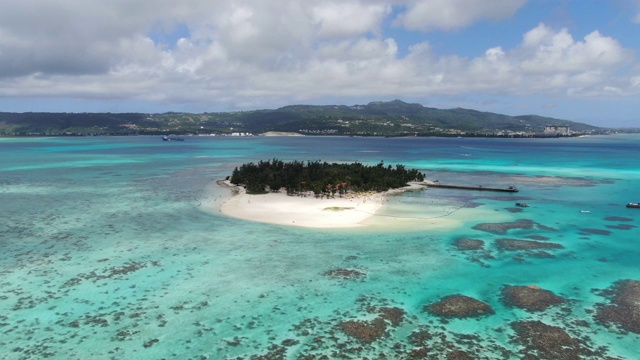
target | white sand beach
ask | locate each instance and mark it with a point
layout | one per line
(362, 211)
(309, 211)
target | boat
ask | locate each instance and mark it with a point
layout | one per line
(522, 204)
(633, 205)
(585, 211)
(172, 138)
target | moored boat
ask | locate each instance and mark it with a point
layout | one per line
(522, 204)
(172, 138)
(633, 205)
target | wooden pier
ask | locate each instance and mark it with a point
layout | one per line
(435, 184)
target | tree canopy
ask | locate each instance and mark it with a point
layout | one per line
(321, 177)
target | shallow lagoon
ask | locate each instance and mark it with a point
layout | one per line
(109, 251)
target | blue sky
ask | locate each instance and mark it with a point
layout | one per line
(569, 59)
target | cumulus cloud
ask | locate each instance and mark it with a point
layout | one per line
(251, 53)
(453, 14)
(548, 51)
(344, 18)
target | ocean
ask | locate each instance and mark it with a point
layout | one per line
(113, 248)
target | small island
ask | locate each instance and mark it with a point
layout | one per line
(313, 194)
(321, 178)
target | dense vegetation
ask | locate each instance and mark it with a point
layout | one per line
(321, 177)
(393, 118)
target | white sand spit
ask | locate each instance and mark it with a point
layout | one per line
(309, 211)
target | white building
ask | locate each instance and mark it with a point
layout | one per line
(556, 130)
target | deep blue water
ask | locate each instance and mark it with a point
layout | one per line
(112, 248)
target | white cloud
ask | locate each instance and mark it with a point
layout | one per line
(547, 51)
(257, 53)
(453, 14)
(343, 18)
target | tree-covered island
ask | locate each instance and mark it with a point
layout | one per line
(321, 177)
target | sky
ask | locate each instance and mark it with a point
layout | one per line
(568, 59)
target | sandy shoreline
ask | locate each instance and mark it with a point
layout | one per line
(309, 211)
(362, 212)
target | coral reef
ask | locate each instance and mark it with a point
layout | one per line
(530, 298)
(623, 309)
(459, 306)
(468, 244)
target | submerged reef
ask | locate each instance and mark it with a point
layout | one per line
(368, 331)
(530, 298)
(623, 309)
(468, 244)
(349, 274)
(551, 181)
(109, 273)
(617, 218)
(504, 227)
(542, 341)
(394, 315)
(515, 245)
(364, 331)
(533, 245)
(459, 306)
(595, 231)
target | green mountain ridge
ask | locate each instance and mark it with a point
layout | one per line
(378, 118)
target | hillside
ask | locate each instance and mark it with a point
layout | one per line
(393, 118)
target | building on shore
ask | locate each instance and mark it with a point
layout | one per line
(560, 130)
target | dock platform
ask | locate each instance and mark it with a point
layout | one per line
(434, 184)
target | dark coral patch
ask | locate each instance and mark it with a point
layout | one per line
(459, 306)
(346, 274)
(150, 343)
(542, 255)
(617, 219)
(468, 244)
(421, 338)
(624, 308)
(275, 352)
(515, 245)
(596, 231)
(542, 341)
(364, 331)
(503, 228)
(530, 298)
(392, 314)
(108, 273)
(537, 237)
(621, 227)
(459, 355)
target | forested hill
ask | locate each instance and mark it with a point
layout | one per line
(393, 118)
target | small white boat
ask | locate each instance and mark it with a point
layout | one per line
(172, 138)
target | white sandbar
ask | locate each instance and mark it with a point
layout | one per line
(363, 211)
(309, 211)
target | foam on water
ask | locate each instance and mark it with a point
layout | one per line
(113, 248)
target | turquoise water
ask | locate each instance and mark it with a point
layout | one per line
(109, 249)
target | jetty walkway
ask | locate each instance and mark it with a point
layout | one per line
(436, 184)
